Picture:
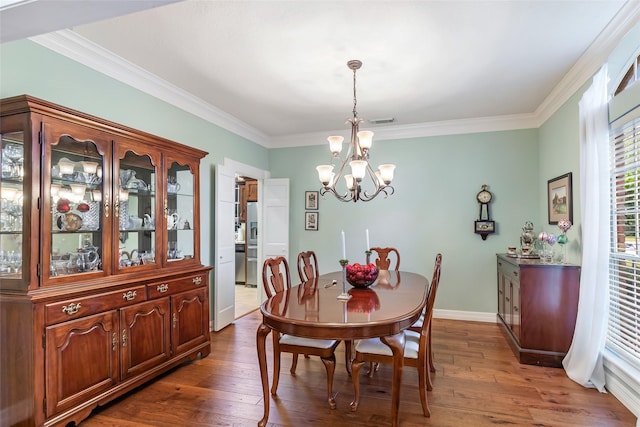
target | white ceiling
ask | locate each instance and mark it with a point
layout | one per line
(278, 68)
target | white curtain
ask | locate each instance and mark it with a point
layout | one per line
(584, 361)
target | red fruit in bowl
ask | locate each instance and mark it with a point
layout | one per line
(83, 207)
(361, 276)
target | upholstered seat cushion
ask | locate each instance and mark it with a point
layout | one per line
(418, 324)
(375, 346)
(306, 342)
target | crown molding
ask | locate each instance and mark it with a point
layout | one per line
(82, 50)
(419, 130)
(590, 62)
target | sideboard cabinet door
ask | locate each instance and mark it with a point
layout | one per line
(82, 360)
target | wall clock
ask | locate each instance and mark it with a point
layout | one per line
(484, 225)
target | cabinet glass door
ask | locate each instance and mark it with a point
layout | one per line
(11, 205)
(75, 201)
(179, 213)
(136, 208)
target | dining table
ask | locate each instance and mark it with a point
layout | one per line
(313, 309)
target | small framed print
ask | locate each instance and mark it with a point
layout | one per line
(311, 221)
(311, 200)
(560, 198)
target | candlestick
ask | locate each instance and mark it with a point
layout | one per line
(344, 249)
(344, 296)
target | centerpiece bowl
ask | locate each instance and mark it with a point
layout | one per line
(361, 275)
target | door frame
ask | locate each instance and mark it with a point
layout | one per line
(247, 170)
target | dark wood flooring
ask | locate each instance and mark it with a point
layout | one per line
(478, 383)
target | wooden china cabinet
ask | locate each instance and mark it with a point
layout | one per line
(101, 284)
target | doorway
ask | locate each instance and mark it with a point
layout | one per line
(246, 242)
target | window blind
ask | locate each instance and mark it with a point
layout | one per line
(623, 336)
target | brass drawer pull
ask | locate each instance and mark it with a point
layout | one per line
(197, 280)
(71, 308)
(129, 296)
(163, 288)
(124, 337)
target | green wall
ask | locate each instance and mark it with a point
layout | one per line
(432, 210)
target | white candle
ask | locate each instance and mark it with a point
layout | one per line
(368, 245)
(344, 249)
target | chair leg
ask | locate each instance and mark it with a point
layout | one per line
(330, 366)
(294, 363)
(432, 367)
(355, 377)
(373, 368)
(423, 384)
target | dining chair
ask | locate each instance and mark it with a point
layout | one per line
(383, 260)
(307, 265)
(276, 279)
(417, 327)
(416, 348)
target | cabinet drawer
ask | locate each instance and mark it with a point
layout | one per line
(92, 304)
(170, 287)
(510, 271)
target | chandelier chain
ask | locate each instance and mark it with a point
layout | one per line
(355, 98)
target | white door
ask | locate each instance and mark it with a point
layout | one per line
(224, 271)
(275, 235)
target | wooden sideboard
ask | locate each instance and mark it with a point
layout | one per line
(537, 307)
(101, 284)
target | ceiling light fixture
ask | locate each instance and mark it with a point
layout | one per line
(357, 158)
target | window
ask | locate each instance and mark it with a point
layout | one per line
(623, 335)
(632, 75)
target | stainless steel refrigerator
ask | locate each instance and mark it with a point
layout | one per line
(252, 244)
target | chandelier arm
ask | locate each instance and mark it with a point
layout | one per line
(347, 197)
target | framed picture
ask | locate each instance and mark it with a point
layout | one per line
(560, 198)
(311, 221)
(311, 199)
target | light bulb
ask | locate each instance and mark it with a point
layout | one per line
(335, 144)
(358, 169)
(325, 173)
(386, 173)
(365, 137)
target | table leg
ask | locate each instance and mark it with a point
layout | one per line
(261, 337)
(396, 344)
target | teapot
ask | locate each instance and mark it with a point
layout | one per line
(87, 259)
(172, 221)
(173, 186)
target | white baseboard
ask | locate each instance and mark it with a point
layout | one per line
(471, 316)
(623, 381)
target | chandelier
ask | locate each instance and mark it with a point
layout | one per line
(357, 158)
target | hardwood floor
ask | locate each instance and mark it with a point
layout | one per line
(478, 383)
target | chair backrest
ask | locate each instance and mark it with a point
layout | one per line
(383, 262)
(431, 299)
(307, 265)
(275, 275)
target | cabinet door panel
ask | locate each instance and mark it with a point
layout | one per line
(81, 361)
(190, 319)
(75, 202)
(145, 336)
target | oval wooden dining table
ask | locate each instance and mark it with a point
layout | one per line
(311, 309)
